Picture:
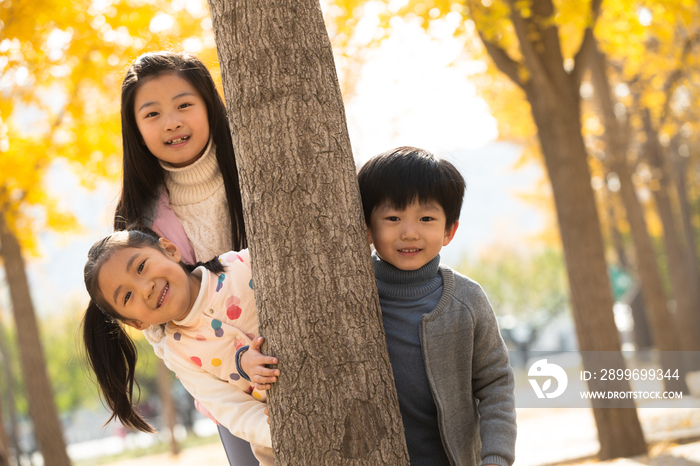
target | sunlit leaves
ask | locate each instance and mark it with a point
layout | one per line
(61, 66)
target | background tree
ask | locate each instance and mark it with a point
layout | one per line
(4, 443)
(8, 391)
(528, 290)
(314, 284)
(652, 286)
(61, 65)
(539, 50)
(40, 393)
(637, 37)
(523, 40)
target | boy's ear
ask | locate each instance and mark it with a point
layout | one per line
(369, 235)
(135, 324)
(450, 233)
(170, 249)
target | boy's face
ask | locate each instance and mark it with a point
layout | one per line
(409, 238)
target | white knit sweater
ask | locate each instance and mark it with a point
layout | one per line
(198, 198)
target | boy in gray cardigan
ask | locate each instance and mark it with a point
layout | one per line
(450, 365)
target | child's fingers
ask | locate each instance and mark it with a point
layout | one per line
(264, 372)
(256, 343)
(263, 379)
(263, 360)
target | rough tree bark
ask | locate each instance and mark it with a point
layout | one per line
(42, 408)
(655, 302)
(553, 94)
(335, 402)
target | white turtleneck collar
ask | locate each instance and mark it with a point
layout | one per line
(191, 184)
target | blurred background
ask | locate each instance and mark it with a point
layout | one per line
(443, 75)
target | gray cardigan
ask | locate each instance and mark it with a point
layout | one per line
(470, 377)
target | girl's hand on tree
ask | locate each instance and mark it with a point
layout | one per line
(267, 413)
(254, 363)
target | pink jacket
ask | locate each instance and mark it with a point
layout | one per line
(167, 225)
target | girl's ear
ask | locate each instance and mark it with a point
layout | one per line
(135, 324)
(170, 249)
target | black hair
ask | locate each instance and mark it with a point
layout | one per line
(143, 176)
(110, 351)
(406, 174)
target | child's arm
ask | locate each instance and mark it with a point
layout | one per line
(234, 409)
(493, 384)
(254, 365)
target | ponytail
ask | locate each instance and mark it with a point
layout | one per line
(112, 356)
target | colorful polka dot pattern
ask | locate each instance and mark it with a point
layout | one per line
(233, 311)
(210, 342)
(238, 340)
(232, 256)
(216, 325)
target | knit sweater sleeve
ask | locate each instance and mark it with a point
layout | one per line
(239, 412)
(493, 380)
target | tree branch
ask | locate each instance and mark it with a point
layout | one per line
(532, 59)
(503, 61)
(675, 77)
(587, 44)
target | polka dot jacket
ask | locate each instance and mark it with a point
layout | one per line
(201, 348)
(222, 320)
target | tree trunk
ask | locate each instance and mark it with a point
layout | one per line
(615, 235)
(655, 301)
(42, 408)
(641, 333)
(685, 313)
(10, 384)
(554, 100)
(693, 265)
(4, 442)
(167, 403)
(335, 402)
(642, 330)
(619, 431)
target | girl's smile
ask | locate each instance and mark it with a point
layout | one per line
(172, 119)
(147, 286)
(164, 294)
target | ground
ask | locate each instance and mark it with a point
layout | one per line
(545, 437)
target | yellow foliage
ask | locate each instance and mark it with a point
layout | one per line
(571, 19)
(61, 66)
